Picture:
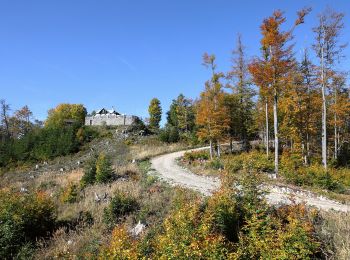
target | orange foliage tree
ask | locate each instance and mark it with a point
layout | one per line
(273, 72)
(211, 114)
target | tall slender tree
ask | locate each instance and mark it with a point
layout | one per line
(274, 72)
(328, 50)
(211, 114)
(155, 113)
(240, 86)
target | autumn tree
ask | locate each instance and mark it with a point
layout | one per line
(328, 50)
(58, 116)
(298, 113)
(211, 114)
(340, 110)
(155, 113)
(273, 71)
(20, 122)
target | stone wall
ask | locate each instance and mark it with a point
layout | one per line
(110, 119)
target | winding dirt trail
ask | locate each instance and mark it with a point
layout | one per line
(168, 169)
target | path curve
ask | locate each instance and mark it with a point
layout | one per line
(168, 169)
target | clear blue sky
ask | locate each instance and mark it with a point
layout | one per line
(123, 53)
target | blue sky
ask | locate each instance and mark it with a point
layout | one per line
(123, 53)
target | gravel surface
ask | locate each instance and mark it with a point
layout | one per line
(167, 168)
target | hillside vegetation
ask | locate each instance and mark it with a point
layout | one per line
(71, 191)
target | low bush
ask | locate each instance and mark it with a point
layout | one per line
(104, 171)
(121, 204)
(254, 160)
(70, 194)
(23, 220)
(228, 225)
(216, 164)
(86, 134)
(121, 246)
(89, 176)
(196, 155)
(316, 176)
(189, 234)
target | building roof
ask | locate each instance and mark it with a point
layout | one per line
(104, 111)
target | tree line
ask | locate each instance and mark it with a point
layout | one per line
(293, 105)
(23, 139)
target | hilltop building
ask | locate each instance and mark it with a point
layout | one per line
(109, 117)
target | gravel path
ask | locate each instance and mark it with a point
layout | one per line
(168, 169)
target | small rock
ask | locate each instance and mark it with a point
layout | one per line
(23, 190)
(37, 167)
(61, 169)
(97, 198)
(137, 230)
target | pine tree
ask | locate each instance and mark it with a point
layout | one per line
(104, 171)
(240, 86)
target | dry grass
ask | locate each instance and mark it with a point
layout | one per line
(82, 243)
(334, 230)
(153, 147)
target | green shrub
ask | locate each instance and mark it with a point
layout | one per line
(86, 134)
(216, 164)
(169, 135)
(286, 234)
(189, 234)
(23, 219)
(104, 171)
(317, 176)
(89, 176)
(70, 193)
(257, 161)
(223, 206)
(121, 204)
(254, 160)
(196, 155)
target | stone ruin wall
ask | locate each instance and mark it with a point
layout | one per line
(110, 120)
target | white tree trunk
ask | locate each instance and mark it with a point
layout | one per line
(275, 125)
(324, 114)
(267, 129)
(219, 153)
(335, 127)
(335, 138)
(211, 149)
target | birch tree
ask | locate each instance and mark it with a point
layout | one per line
(328, 50)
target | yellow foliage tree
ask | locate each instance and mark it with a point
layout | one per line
(211, 113)
(63, 112)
